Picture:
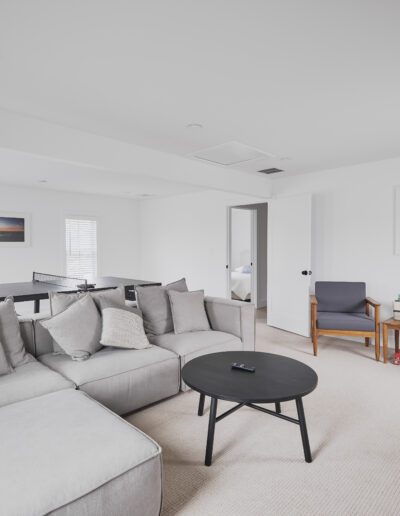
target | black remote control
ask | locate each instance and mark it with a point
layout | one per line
(243, 367)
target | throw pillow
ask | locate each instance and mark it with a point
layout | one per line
(188, 312)
(155, 306)
(122, 327)
(10, 334)
(5, 367)
(113, 295)
(78, 328)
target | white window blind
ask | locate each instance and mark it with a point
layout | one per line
(81, 247)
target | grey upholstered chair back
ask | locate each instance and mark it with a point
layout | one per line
(340, 296)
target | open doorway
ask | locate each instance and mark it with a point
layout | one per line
(247, 253)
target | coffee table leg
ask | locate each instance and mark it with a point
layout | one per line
(278, 407)
(200, 412)
(303, 430)
(211, 430)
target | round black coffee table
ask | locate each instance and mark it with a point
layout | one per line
(276, 379)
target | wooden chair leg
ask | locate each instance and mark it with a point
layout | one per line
(315, 342)
(377, 344)
(367, 342)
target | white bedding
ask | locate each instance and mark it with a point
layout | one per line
(241, 285)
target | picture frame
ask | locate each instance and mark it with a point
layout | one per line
(15, 229)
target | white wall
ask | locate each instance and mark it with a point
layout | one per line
(118, 233)
(353, 225)
(187, 236)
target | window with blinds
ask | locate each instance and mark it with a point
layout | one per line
(81, 247)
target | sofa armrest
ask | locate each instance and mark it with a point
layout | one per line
(235, 317)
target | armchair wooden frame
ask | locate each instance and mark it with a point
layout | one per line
(368, 335)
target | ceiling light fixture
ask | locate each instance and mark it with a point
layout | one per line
(194, 126)
(42, 181)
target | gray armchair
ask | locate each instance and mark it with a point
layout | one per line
(342, 309)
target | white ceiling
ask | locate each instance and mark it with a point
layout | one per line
(18, 168)
(314, 81)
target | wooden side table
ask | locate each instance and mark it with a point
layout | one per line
(390, 324)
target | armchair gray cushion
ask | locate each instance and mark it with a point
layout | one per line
(340, 296)
(345, 321)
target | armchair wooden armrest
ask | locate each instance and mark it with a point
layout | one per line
(372, 302)
(313, 300)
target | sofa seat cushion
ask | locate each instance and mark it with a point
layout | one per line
(345, 321)
(122, 379)
(196, 343)
(30, 380)
(59, 448)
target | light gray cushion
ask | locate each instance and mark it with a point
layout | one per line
(122, 328)
(345, 321)
(78, 328)
(122, 379)
(59, 448)
(30, 380)
(10, 334)
(155, 306)
(112, 295)
(194, 344)
(340, 296)
(5, 366)
(188, 312)
(60, 302)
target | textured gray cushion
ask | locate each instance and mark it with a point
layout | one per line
(60, 302)
(122, 379)
(194, 344)
(10, 334)
(30, 380)
(122, 328)
(188, 312)
(78, 328)
(345, 321)
(5, 366)
(155, 306)
(340, 296)
(64, 446)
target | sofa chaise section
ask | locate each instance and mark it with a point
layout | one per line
(65, 454)
(123, 380)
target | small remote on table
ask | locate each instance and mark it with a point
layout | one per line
(243, 367)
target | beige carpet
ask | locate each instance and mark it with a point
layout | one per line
(354, 426)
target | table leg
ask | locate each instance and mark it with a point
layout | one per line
(385, 342)
(211, 430)
(36, 306)
(303, 430)
(200, 412)
(278, 407)
(396, 340)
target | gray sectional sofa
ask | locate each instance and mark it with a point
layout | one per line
(59, 426)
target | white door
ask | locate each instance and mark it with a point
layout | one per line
(289, 263)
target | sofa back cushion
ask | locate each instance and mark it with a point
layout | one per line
(155, 306)
(340, 296)
(10, 334)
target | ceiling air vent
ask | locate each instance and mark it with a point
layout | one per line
(270, 170)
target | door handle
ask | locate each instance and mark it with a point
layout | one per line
(306, 273)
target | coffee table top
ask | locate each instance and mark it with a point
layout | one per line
(277, 378)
